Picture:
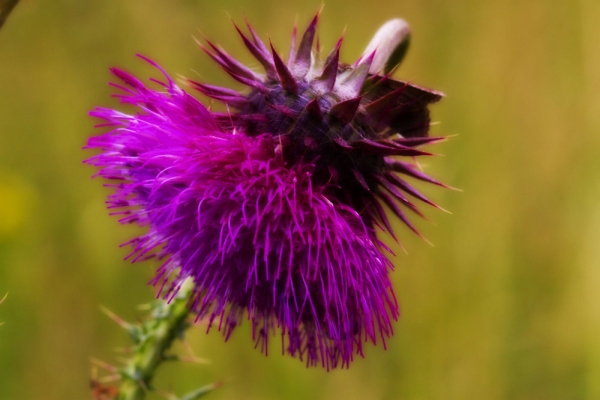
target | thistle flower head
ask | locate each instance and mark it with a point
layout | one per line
(272, 206)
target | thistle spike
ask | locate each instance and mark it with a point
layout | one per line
(336, 49)
(301, 63)
(351, 84)
(233, 64)
(283, 110)
(314, 108)
(326, 81)
(292, 54)
(104, 365)
(382, 215)
(387, 185)
(345, 111)
(131, 329)
(391, 42)
(361, 179)
(372, 147)
(398, 145)
(401, 184)
(200, 392)
(419, 141)
(263, 58)
(257, 41)
(393, 206)
(214, 90)
(288, 82)
(408, 169)
(225, 95)
(388, 148)
(253, 83)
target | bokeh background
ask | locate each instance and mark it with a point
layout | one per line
(506, 305)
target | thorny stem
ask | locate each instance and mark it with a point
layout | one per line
(6, 7)
(153, 338)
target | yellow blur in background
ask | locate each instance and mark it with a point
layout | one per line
(506, 305)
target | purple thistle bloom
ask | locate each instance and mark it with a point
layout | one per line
(272, 207)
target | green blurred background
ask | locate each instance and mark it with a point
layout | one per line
(506, 305)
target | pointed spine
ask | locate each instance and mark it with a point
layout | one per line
(394, 191)
(350, 86)
(418, 141)
(282, 109)
(257, 41)
(401, 184)
(395, 208)
(292, 53)
(326, 81)
(288, 82)
(314, 109)
(387, 148)
(408, 169)
(231, 97)
(251, 82)
(233, 64)
(345, 111)
(380, 214)
(256, 51)
(301, 62)
(361, 179)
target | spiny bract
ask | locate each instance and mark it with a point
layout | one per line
(272, 206)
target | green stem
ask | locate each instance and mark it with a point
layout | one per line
(6, 7)
(152, 340)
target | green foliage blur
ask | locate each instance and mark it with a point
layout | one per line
(506, 305)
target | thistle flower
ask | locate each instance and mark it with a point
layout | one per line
(272, 207)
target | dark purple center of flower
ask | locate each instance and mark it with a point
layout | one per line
(308, 138)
